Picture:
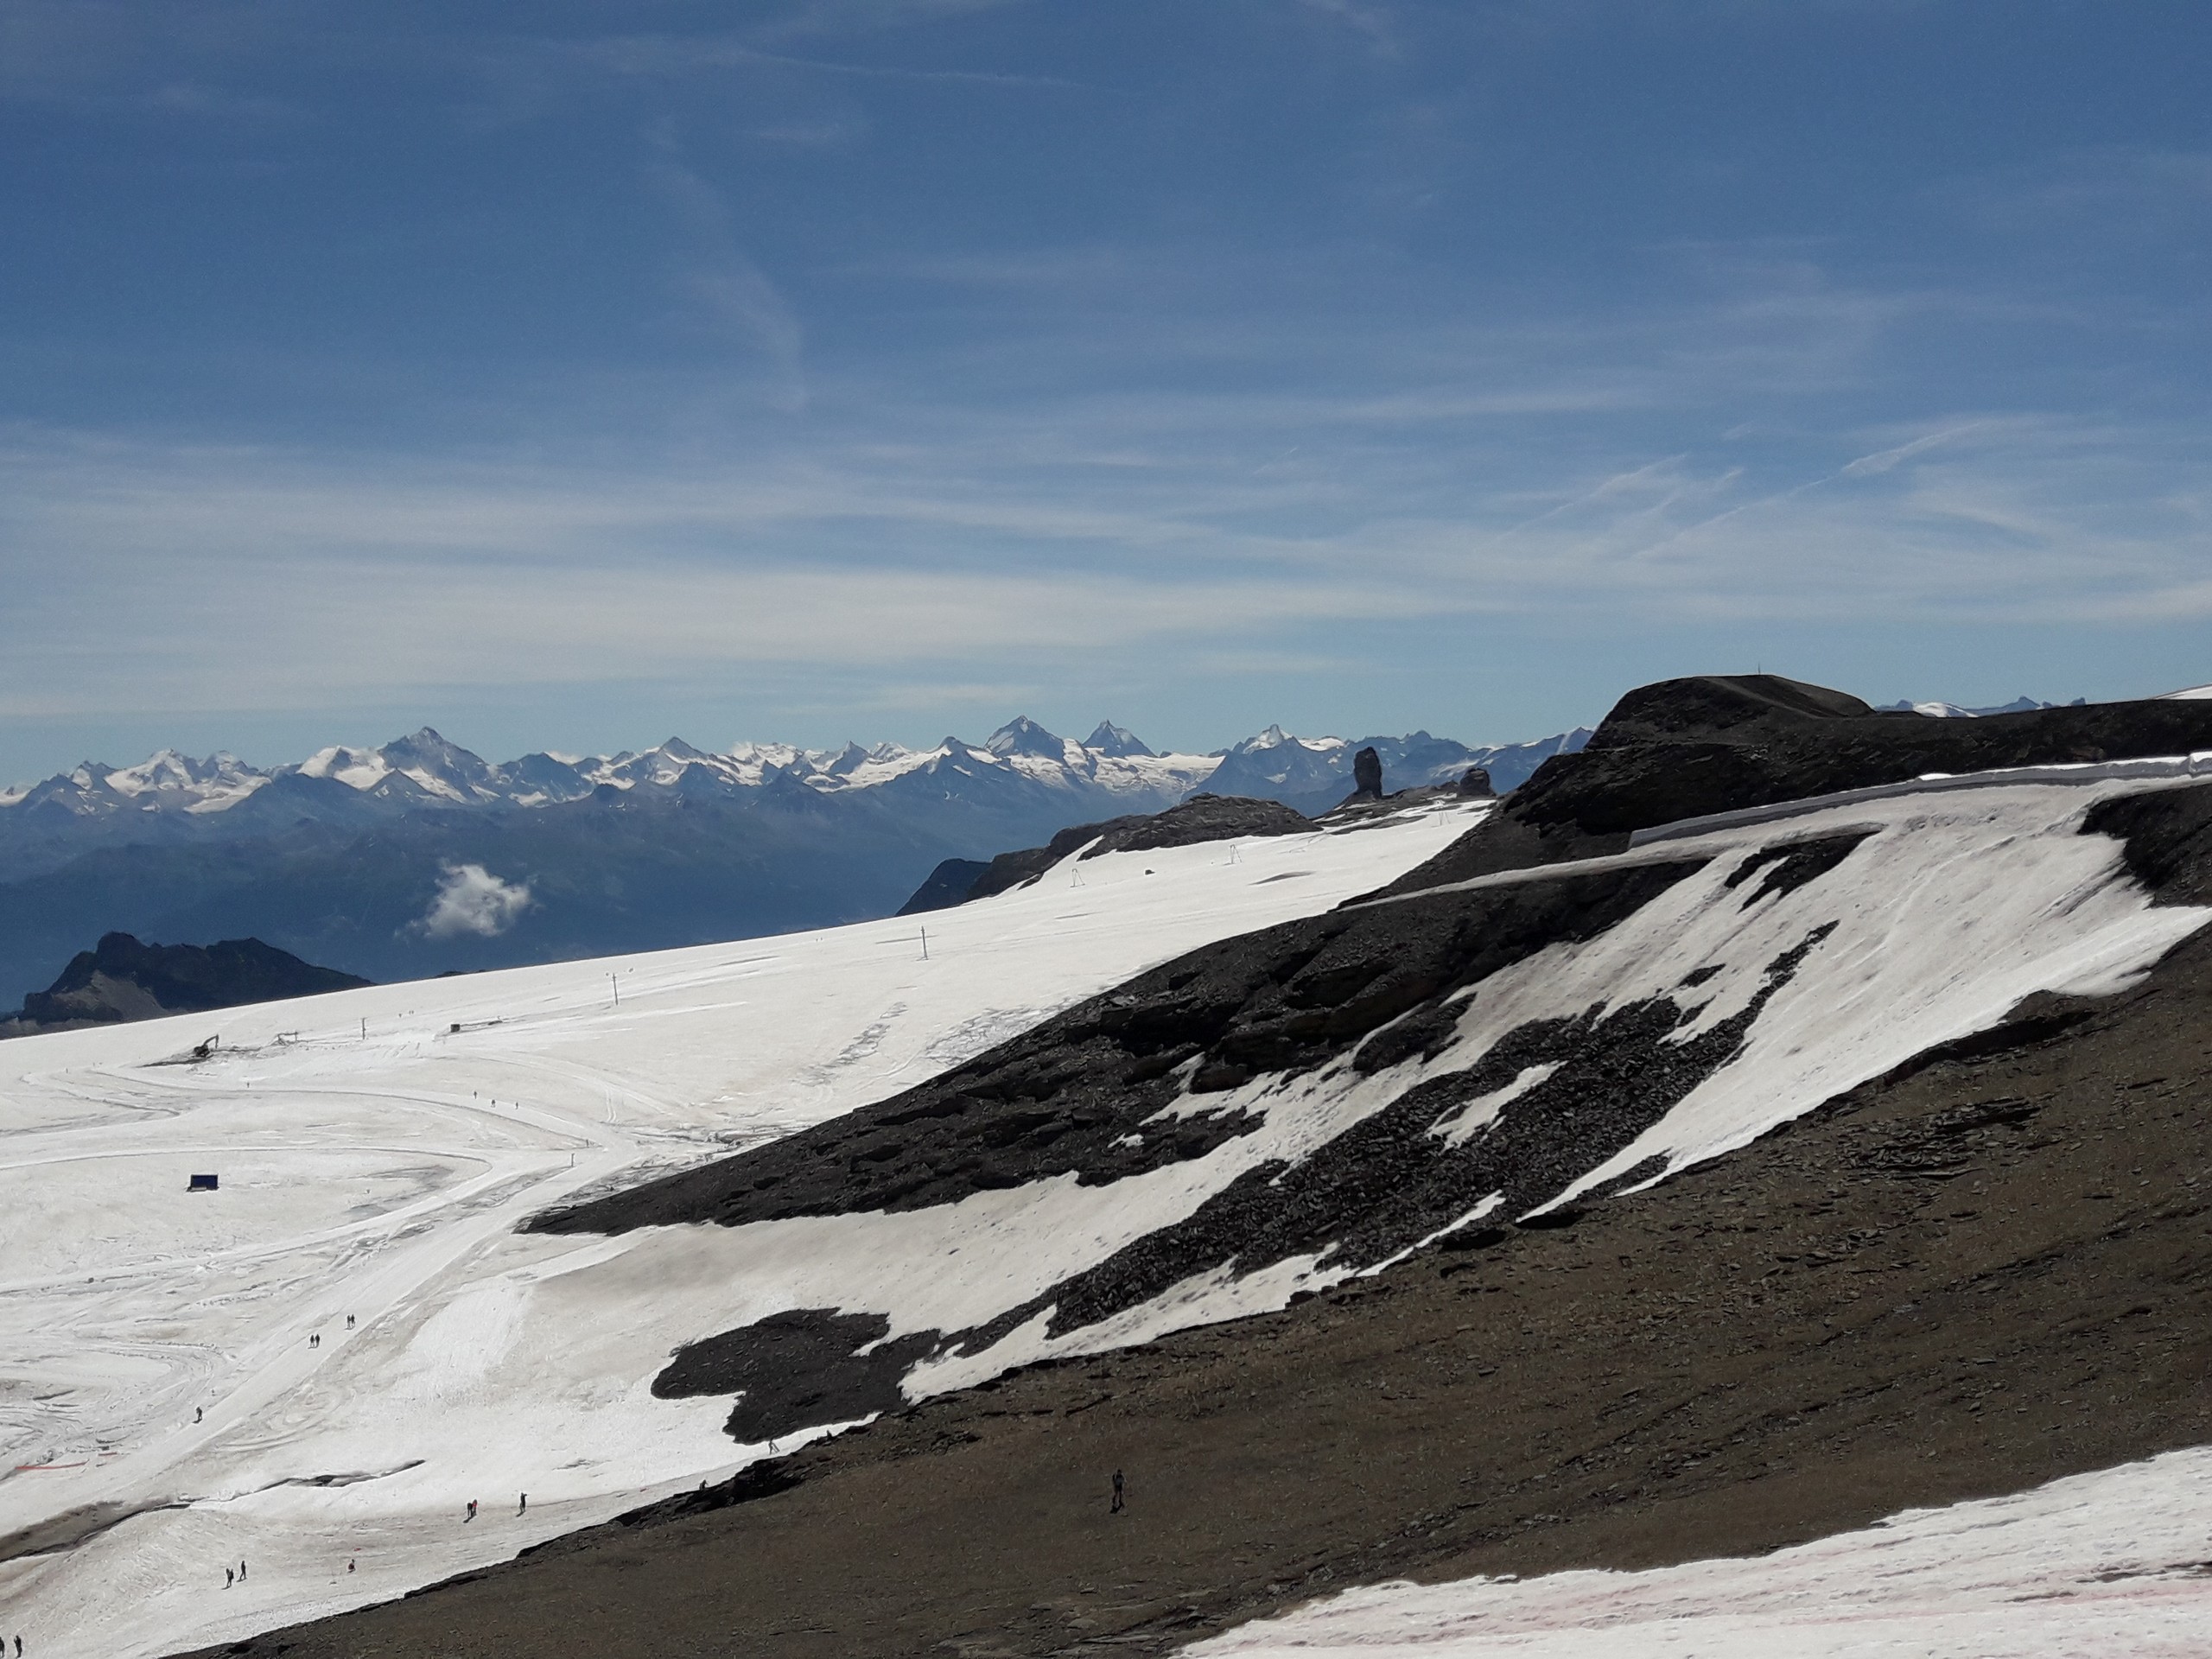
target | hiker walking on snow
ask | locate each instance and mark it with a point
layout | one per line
(241, 1572)
(523, 1508)
(471, 1515)
(229, 1578)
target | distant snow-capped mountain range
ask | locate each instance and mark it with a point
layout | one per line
(426, 771)
(419, 858)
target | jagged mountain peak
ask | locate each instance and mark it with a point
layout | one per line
(1022, 736)
(1116, 742)
(1275, 737)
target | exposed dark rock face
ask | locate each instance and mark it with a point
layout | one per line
(2168, 834)
(1475, 782)
(1201, 819)
(123, 980)
(949, 883)
(1682, 748)
(1367, 774)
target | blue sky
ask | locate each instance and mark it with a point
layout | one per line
(570, 375)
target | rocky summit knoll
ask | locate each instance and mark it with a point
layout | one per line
(1683, 748)
(1576, 1201)
(121, 979)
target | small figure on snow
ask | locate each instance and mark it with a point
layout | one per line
(523, 1507)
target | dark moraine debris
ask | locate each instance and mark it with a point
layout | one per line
(1085, 1093)
(1788, 865)
(1400, 1177)
(795, 1369)
(1388, 1184)
(1683, 748)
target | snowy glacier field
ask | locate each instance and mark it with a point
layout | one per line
(181, 1389)
(378, 1147)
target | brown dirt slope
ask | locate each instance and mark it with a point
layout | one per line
(1961, 1282)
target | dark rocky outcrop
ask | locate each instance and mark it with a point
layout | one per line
(1475, 781)
(949, 883)
(1367, 774)
(2168, 834)
(124, 980)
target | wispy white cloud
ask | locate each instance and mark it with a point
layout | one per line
(722, 281)
(254, 578)
(867, 16)
(1373, 22)
(2135, 190)
(687, 56)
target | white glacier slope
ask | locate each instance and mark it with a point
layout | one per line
(321, 1363)
(1950, 909)
(2109, 1565)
